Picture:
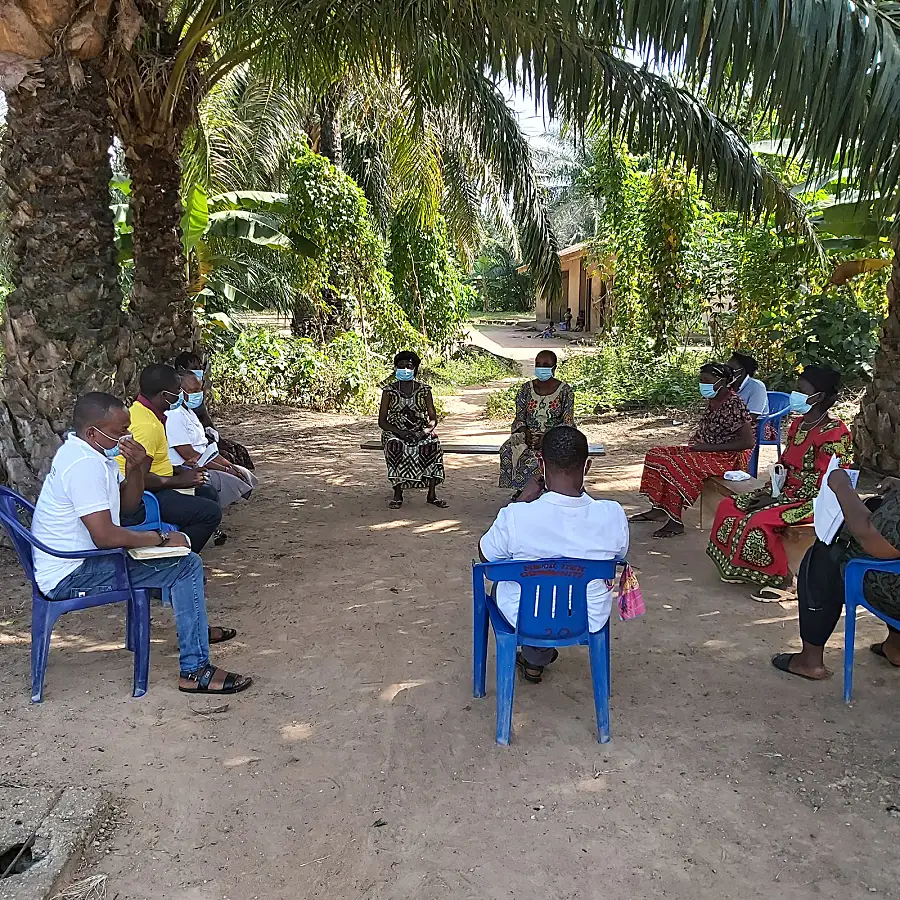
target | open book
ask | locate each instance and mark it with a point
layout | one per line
(208, 455)
(158, 552)
(827, 513)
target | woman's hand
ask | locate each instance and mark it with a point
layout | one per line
(534, 439)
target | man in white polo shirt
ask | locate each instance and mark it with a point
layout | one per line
(751, 390)
(80, 508)
(555, 518)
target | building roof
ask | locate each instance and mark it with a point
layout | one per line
(574, 251)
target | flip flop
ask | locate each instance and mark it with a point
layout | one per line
(395, 504)
(225, 634)
(775, 595)
(642, 517)
(781, 661)
(662, 533)
(878, 650)
(439, 502)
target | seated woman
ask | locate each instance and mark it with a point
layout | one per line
(673, 476)
(407, 419)
(746, 541)
(187, 442)
(871, 528)
(231, 450)
(541, 404)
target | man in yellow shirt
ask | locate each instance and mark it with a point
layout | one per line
(197, 515)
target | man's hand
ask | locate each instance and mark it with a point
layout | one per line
(135, 455)
(839, 479)
(177, 539)
(533, 489)
(189, 478)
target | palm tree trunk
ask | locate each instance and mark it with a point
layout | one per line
(877, 427)
(64, 331)
(161, 308)
(330, 145)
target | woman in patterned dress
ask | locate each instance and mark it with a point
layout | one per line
(746, 542)
(407, 420)
(871, 528)
(541, 404)
(673, 476)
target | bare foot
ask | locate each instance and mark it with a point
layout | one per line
(793, 664)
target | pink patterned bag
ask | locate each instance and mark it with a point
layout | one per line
(631, 600)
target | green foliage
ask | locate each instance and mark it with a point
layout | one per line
(624, 375)
(427, 281)
(499, 283)
(347, 282)
(469, 365)
(267, 368)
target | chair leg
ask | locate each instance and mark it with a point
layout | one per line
(479, 648)
(140, 631)
(753, 464)
(506, 685)
(608, 663)
(129, 628)
(599, 650)
(43, 618)
(849, 642)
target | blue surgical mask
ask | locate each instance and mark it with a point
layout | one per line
(405, 374)
(543, 373)
(707, 390)
(799, 402)
(177, 404)
(194, 400)
(110, 452)
(198, 373)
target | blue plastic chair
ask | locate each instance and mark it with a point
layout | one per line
(153, 518)
(779, 407)
(44, 612)
(853, 597)
(552, 613)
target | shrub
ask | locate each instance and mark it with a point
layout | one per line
(468, 366)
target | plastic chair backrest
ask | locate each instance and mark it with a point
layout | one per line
(553, 605)
(779, 405)
(21, 537)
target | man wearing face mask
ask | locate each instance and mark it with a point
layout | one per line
(751, 390)
(187, 441)
(541, 403)
(82, 502)
(554, 517)
(197, 514)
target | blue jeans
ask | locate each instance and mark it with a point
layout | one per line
(182, 577)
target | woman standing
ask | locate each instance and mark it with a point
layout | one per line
(746, 538)
(407, 420)
(673, 476)
(541, 404)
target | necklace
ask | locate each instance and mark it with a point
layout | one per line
(809, 427)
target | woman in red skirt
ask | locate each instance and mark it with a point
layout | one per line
(746, 539)
(673, 476)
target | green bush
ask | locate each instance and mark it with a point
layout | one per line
(468, 366)
(620, 376)
(264, 367)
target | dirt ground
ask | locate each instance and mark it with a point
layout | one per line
(360, 768)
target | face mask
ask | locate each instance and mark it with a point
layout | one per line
(194, 400)
(405, 374)
(198, 373)
(110, 452)
(177, 404)
(707, 390)
(800, 402)
(543, 373)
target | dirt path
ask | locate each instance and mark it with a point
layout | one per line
(360, 768)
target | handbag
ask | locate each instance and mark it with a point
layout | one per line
(631, 598)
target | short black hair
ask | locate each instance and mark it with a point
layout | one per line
(748, 363)
(158, 378)
(189, 359)
(719, 370)
(564, 448)
(94, 407)
(824, 379)
(407, 356)
(547, 353)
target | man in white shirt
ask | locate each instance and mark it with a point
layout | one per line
(555, 518)
(751, 390)
(80, 507)
(188, 440)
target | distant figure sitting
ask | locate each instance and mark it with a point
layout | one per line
(407, 420)
(579, 322)
(541, 403)
(567, 319)
(548, 332)
(673, 476)
(555, 517)
(79, 509)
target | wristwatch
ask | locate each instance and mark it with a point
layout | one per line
(163, 538)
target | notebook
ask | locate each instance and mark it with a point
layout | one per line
(208, 455)
(827, 514)
(158, 552)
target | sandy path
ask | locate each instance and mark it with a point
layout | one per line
(360, 768)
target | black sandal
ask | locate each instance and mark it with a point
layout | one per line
(534, 674)
(225, 634)
(644, 517)
(782, 661)
(219, 538)
(878, 650)
(395, 504)
(233, 683)
(438, 502)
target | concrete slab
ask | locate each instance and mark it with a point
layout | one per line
(65, 819)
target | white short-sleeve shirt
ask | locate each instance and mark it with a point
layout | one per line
(81, 481)
(183, 427)
(755, 396)
(558, 526)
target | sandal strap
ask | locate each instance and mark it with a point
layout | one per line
(206, 676)
(230, 681)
